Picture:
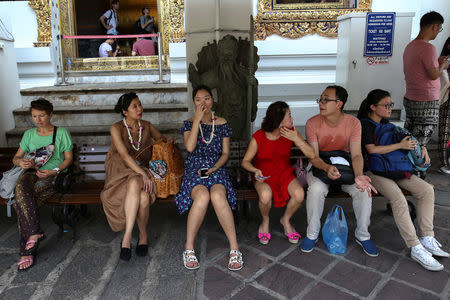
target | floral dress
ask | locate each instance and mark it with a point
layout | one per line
(205, 156)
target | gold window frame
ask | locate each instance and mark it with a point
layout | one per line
(299, 19)
(170, 14)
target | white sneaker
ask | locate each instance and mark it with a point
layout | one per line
(433, 246)
(423, 257)
(445, 170)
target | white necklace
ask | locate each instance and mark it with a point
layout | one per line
(211, 136)
(131, 138)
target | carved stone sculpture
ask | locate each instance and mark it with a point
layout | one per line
(226, 67)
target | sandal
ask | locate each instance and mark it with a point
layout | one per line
(235, 258)
(293, 237)
(34, 243)
(24, 261)
(189, 257)
(264, 238)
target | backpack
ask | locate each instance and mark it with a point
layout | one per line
(414, 155)
(107, 20)
(393, 165)
(137, 27)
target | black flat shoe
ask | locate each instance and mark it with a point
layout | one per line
(125, 253)
(141, 250)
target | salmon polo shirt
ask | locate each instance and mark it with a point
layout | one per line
(333, 138)
(418, 57)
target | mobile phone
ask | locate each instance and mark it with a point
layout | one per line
(262, 178)
(203, 173)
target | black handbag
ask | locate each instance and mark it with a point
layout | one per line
(347, 174)
(64, 181)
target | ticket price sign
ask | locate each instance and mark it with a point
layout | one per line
(379, 34)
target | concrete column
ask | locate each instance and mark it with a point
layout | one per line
(209, 20)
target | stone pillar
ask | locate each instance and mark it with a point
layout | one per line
(208, 20)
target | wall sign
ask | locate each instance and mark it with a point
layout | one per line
(379, 34)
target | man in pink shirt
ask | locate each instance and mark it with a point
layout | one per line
(143, 47)
(422, 70)
(333, 130)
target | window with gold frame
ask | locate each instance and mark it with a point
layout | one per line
(297, 18)
(170, 14)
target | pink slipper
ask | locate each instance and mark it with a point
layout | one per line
(24, 261)
(34, 244)
(293, 237)
(264, 238)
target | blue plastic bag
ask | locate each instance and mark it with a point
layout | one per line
(335, 231)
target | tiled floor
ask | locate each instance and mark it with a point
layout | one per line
(90, 267)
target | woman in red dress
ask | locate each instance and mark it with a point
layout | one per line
(275, 181)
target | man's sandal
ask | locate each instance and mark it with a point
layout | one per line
(235, 258)
(24, 261)
(34, 244)
(189, 257)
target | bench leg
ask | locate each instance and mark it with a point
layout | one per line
(236, 214)
(71, 216)
(58, 219)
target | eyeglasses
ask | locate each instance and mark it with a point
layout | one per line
(325, 100)
(387, 106)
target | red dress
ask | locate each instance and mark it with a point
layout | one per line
(272, 159)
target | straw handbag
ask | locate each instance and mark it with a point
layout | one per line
(170, 183)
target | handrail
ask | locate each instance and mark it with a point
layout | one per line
(108, 36)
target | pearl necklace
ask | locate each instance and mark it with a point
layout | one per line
(131, 138)
(207, 142)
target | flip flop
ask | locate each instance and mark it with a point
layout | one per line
(264, 237)
(35, 244)
(24, 261)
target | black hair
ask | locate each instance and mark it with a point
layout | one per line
(114, 2)
(341, 94)
(43, 105)
(431, 18)
(201, 87)
(124, 102)
(373, 98)
(144, 9)
(274, 115)
(445, 49)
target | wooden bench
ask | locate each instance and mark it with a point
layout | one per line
(89, 167)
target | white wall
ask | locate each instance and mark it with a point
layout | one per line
(9, 79)
(34, 64)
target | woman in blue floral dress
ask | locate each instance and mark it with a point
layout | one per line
(207, 139)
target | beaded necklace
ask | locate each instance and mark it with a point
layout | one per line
(211, 136)
(131, 138)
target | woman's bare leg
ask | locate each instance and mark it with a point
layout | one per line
(297, 195)
(132, 200)
(264, 203)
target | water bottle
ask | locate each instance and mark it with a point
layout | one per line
(69, 64)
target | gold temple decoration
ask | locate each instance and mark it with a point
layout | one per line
(298, 19)
(172, 30)
(43, 17)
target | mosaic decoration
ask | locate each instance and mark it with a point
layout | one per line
(43, 11)
(300, 19)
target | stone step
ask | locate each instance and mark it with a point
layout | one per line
(107, 93)
(103, 114)
(97, 134)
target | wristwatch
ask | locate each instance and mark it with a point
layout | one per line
(57, 170)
